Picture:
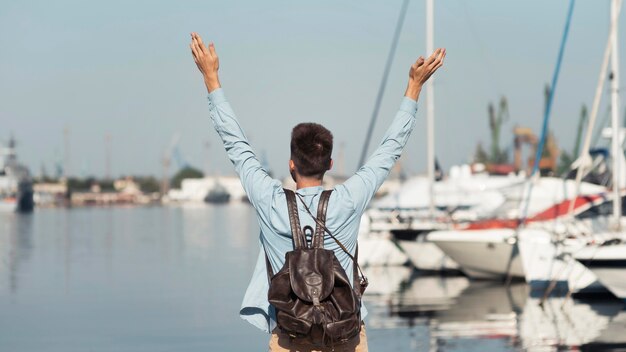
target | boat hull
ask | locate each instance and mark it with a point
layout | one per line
(426, 256)
(481, 254)
(614, 278)
(551, 266)
(608, 263)
(377, 249)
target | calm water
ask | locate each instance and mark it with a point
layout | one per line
(172, 279)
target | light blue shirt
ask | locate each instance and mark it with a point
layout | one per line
(346, 205)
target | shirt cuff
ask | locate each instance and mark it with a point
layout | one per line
(409, 105)
(217, 96)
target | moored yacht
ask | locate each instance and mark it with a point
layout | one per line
(481, 254)
(549, 265)
(488, 249)
(462, 197)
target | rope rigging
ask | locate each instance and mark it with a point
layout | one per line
(383, 83)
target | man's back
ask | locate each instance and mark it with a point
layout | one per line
(342, 220)
(346, 206)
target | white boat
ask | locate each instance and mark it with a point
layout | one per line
(481, 254)
(377, 249)
(608, 262)
(425, 255)
(528, 253)
(488, 249)
(549, 266)
(197, 189)
(462, 197)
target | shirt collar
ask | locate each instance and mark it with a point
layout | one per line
(308, 191)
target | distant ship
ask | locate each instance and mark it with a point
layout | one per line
(218, 194)
(16, 184)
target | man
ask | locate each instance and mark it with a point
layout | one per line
(311, 147)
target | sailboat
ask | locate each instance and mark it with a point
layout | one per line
(543, 252)
(607, 259)
(488, 249)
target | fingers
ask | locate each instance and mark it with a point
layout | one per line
(433, 57)
(198, 47)
(419, 62)
(194, 47)
(436, 59)
(201, 45)
(212, 50)
(193, 51)
(422, 69)
(439, 61)
(442, 54)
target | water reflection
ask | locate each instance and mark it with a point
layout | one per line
(562, 322)
(612, 338)
(17, 245)
(162, 279)
(141, 279)
(452, 313)
(484, 310)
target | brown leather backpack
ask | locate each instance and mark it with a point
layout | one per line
(314, 301)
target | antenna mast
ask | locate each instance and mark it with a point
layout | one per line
(430, 108)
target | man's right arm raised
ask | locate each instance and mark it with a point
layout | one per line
(366, 181)
(254, 178)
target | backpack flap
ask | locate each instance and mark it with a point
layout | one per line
(311, 274)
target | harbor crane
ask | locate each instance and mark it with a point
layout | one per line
(171, 152)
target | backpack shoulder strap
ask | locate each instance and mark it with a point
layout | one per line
(322, 207)
(296, 231)
(362, 282)
(357, 282)
(268, 268)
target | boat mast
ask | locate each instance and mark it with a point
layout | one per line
(584, 162)
(383, 83)
(616, 145)
(430, 109)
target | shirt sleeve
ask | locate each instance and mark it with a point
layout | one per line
(257, 183)
(365, 182)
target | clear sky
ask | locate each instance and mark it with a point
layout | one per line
(123, 68)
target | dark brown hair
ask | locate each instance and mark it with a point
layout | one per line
(311, 148)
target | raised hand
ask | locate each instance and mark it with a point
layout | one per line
(421, 71)
(207, 61)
